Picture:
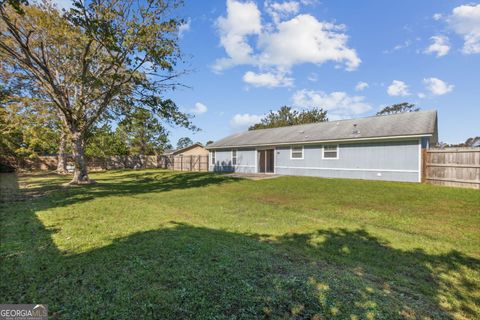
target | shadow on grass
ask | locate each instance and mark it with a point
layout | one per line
(125, 184)
(186, 272)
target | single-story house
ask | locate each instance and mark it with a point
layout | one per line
(387, 147)
(196, 149)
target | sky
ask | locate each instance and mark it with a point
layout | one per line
(351, 58)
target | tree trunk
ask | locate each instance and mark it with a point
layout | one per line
(62, 157)
(80, 175)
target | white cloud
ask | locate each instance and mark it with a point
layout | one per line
(289, 42)
(199, 108)
(361, 86)
(398, 88)
(61, 4)
(437, 87)
(465, 21)
(421, 95)
(245, 120)
(267, 79)
(440, 46)
(338, 104)
(184, 27)
(437, 16)
(283, 10)
(242, 20)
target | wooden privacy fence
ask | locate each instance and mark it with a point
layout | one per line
(456, 167)
(49, 163)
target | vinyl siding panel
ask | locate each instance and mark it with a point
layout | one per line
(388, 160)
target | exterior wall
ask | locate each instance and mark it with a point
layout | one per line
(195, 151)
(223, 161)
(388, 160)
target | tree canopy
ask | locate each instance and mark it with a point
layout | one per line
(184, 142)
(99, 61)
(286, 116)
(398, 108)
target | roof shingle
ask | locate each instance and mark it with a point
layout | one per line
(402, 124)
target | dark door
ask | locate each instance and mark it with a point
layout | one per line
(261, 161)
(266, 160)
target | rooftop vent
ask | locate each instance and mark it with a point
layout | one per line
(355, 130)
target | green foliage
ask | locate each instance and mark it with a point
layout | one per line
(159, 244)
(398, 108)
(286, 116)
(103, 142)
(184, 142)
(144, 132)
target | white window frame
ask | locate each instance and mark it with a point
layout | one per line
(236, 157)
(330, 145)
(213, 158)
(291, 152)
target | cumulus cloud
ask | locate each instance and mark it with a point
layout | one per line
(267, 79)
(437, 87)
(242, 20)
(361, 86)
(283, 10)
(465, 21)
(398, 88)
(289, 42)
(339, 104)
(439, 46)
(199, 108)
(245, 120)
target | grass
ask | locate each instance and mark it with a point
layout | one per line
(157, 244)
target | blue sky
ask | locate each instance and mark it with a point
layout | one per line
(350, 57)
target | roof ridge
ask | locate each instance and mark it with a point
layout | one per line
(341, 120)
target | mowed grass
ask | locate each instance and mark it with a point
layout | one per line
(156, 244)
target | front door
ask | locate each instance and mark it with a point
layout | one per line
(266, 161)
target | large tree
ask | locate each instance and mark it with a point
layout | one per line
(102, 59)
(184, 142)
(286, 116)
(398, 108)
(144, 133)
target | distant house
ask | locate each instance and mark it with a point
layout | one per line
(387, 147)
(196, 149)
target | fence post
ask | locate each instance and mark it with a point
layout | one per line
(424, 165)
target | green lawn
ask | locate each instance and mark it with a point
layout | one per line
(157, 244)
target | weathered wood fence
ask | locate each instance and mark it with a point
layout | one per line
(456, 167)
(49, 163)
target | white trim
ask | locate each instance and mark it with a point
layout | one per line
(347, 169)
(274, 160)
(323, 152)
(291, 151)
(420, 160)
(213, 156)
(256, 160)
(323, 141)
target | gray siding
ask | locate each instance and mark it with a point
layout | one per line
(389, 160)
(223, 161)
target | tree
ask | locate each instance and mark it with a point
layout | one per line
(144, 132)
(98, 61)
(104, 142)
(209, 142)
(184, 142)
(398, 108)
(286, 116)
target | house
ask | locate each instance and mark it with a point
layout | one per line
(196, 149)
(387, 147)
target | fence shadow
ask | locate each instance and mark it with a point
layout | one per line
(183, 271)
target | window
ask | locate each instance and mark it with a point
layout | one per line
(330, 151)
(234, 157)
(296, 152)
(213, 158)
